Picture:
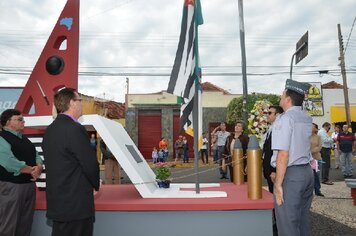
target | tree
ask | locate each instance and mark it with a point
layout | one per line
(234, 109)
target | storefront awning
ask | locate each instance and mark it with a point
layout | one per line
(338, 113)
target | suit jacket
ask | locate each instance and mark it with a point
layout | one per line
(72, 170)
(267, 155)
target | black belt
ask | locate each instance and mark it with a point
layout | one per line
(302, 165)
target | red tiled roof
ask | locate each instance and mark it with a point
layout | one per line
(207, 86)
(115, 110)
(332, 85)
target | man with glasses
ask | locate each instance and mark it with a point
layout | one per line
(269, 172)
(72, 170)
(20, 166)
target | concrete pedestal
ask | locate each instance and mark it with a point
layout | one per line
(120, 210)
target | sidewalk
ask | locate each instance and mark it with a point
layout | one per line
(337, 204)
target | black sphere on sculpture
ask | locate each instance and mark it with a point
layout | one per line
(55, 65)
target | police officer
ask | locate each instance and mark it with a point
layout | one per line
(294, 183)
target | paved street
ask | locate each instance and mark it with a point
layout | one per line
(333, 214)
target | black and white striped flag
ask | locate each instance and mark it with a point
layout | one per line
(186, 71)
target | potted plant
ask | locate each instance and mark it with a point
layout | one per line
(163, 173)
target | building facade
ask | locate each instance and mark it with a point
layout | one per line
(149, 117)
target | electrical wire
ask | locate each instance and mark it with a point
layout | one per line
(348, 38)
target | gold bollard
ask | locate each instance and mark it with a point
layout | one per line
(237, 163)
(254, 169)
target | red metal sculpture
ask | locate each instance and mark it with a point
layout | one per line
(57, 65)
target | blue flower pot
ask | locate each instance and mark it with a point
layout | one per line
(163, 183)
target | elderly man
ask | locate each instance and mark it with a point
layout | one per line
(294, 183)
(72, 169)
(20, 166)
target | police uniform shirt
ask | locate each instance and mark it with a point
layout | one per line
(291, 133)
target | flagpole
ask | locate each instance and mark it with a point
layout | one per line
(243, 61)
(196, 105)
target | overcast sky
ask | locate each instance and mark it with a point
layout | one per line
(128, 38)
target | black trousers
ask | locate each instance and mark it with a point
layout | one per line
(325, 167)
(74, 228)
(204, 152)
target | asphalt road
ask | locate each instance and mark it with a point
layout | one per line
(320, 224)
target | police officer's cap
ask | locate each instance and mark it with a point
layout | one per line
(299, 87)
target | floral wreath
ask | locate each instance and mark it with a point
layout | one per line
(257, 121)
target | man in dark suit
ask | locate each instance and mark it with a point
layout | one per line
(72, 169)
(269, 172)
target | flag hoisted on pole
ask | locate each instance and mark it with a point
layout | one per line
(186, 74)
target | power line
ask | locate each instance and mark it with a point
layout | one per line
(348, 38)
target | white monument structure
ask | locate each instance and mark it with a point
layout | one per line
(130, 158)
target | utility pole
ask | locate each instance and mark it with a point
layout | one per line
(127, 94)
(343, 73)
(243, 61)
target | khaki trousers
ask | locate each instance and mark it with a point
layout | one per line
(112, 172)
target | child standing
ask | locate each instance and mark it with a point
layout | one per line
(154, 155)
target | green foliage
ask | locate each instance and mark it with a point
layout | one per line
(234, 109)
(162, 171)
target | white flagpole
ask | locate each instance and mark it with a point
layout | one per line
(196, 105)
(196, 136)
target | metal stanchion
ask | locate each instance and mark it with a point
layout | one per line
(254, 169)
(237, 163)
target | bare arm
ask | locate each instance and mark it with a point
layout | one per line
(215, 130)
(282, 164)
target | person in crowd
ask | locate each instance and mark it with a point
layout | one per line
(346, 145)
(294, 182)
(327, 143)
(163, 145)
(315, 147)
(204, 150)
(337, 130)
(179, 146)
(185, 150)
(72, 169)
(165, 154)
(161, 156)
(154, 155)
(112, 167)
(229, 149)
(221, 136)
(20, 166)
(93, 141)
(214, 148)
(269, 172)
